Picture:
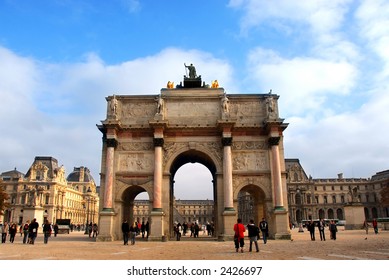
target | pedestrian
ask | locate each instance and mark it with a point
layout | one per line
(239, 231)
(311, 229)
(126, 232)
(375, 226)
(196, 230)
(133, 231)
(264, 226)
(25, 232)
(177, 232)
(321, 227)
(253, 235)
(143, 229)
(95, 230)
(56, 229)
(46, 231)
(12, 232)
(147, 228)
(33, 231)
(4, 232)
(366, 226)
(333, 230)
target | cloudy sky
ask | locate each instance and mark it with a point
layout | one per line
(327, 60)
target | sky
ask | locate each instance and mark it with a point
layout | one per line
(327, 60)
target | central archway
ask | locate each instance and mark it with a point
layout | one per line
(191, 156)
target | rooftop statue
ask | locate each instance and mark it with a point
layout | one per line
(192, 71)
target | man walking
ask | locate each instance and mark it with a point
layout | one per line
(263, 225)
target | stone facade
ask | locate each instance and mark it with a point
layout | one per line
(147, 138)
(311, 198)
(45, 193)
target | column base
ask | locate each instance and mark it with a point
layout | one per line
(106, 223)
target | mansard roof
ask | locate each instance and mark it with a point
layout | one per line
(12, 174)
(80, 174)
(50, 162)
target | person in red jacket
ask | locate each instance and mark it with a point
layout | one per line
(239, 230)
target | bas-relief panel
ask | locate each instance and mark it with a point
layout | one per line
(135, 162)
(133, 112)
(193, 112)
(249, 161)
(249, 155)
(247, 112)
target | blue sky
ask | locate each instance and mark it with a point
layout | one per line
(327, 60)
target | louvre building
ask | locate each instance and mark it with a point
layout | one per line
(45, 193)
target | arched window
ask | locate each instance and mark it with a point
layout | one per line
(330, 214)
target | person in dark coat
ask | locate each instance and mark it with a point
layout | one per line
(311, 229)
(126, 232)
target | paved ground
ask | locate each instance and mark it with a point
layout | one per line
(350, 245)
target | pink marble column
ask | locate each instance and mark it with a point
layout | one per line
(227, 173)
(276, 172)
(157, 201)
(109, 163)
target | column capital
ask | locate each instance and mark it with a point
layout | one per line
(111, 142)
(274, 141)
(158, 142)
(227, 141)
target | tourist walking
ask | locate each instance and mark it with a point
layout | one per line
(321, 227)
(133, 231)
(56, 230)
(33, 231)
(366, 226)
(25, 232)
(375, 226)
(12, 232)
(126, 232)
(46, 232)
(4, 232)
(147, 228)
(253, 235)
(311, 229)
(95, 230)
(239, 231)
(264, 226)
(333, 229)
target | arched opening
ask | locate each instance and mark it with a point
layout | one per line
(193, 198)
(251, 204)
(135, 205)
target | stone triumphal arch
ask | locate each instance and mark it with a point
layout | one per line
(147, 138)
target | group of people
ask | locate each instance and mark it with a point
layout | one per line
(93, 230)
(253, 234)
(195, 228)
(321, 225)
(28, 230)
(131, 231)
(366, 226)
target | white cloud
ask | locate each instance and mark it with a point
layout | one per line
(304, 83)
(53, 109)
(321, 16)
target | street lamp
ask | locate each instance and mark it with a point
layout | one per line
(87, 211)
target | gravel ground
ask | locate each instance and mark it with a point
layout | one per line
(349, 245)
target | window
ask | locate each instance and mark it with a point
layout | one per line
(325, 199)
(333, 199)
(342, 199)
(324, 188)
(332, 188)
